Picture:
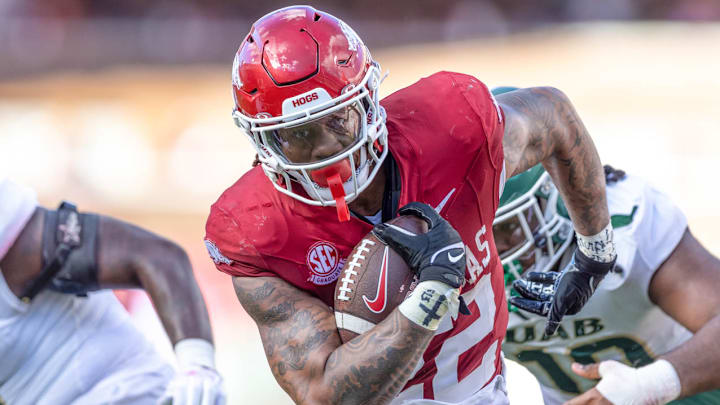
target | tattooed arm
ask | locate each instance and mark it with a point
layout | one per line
(542, 126)
(306, 355)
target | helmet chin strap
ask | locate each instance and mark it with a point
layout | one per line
(333, 177)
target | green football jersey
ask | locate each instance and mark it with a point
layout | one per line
(619, 322)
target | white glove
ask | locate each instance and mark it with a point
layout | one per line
(654, 384)
(197, 382)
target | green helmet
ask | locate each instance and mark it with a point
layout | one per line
(496, 91)
(532, 228)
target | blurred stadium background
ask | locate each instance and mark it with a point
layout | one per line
(124, 107)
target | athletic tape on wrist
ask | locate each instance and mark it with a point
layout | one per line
(195, 352)
(657, 383)
(430, 302)
(599, 247)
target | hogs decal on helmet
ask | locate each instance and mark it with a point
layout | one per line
(299, 75)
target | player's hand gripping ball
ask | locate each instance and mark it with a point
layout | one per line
(386, 265)
(438, 254)
(374, 280)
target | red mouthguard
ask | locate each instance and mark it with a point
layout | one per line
(338, 193)
(333, 177)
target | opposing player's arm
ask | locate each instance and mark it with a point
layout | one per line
(126, 256)
(23, 261)
(305, 353)
(686, 287)
(114, 254)
(131, 257)
(542, 126)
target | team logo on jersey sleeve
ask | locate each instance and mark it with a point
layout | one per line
(324, 263)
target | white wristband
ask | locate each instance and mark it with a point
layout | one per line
(195, 352)
(429, 302)
(654, 384)
(599, 247)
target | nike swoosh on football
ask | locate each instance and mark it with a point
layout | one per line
(377, 305)
(444, 201)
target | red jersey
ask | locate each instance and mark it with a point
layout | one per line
(445, 134)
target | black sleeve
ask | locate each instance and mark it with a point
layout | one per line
(79, 273)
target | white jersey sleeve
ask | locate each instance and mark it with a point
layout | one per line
(17, 204)
(648, 226)
(63, 349)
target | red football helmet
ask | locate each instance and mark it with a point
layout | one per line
(297, 66)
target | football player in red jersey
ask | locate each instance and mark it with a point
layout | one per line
(333, 162)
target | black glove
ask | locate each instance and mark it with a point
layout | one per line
(555, 295)
(438, 254)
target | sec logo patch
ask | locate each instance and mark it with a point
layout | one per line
(324, 263)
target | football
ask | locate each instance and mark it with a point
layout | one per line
(373, 282)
